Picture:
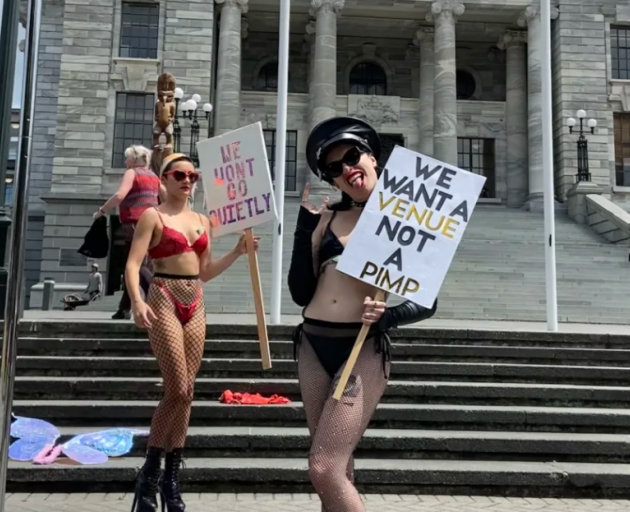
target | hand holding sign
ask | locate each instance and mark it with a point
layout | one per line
(407, 235)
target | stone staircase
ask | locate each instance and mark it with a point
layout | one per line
(498, 272)
(466, 412)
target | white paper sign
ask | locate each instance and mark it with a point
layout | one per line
(236, 180)
(408, 233)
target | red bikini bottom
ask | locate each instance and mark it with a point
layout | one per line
(184, 312)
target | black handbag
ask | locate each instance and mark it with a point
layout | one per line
(96, 242)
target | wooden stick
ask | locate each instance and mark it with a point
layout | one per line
(261, 320)
(356, 350)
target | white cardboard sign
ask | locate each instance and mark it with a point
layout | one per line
(407, 235)
(236, 180)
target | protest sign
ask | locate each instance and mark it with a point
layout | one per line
(236, 180)
(239, 195)
(407, 235)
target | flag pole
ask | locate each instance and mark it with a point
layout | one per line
(15, 278)
(280, 159)
(548, 172)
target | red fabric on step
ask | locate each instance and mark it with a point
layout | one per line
(228, 397)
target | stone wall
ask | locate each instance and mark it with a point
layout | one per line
(580, 82)
(44, 130)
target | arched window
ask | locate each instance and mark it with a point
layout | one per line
(368, 78)
(268, 77)
(466, 85)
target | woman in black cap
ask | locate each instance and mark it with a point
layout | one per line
(343, 152)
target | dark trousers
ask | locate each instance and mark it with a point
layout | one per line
(145, 282)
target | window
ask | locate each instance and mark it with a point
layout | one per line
(290, 170)
(477, 156)
(268, 77)
(133, 125)
(622, 149)
(139, 30)
(368, 78)
(620, 52)
(466, 85)
(13, 150)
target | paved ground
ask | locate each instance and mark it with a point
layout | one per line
(308, 503)
(245, 319)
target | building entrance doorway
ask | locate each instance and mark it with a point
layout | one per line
(388, 142)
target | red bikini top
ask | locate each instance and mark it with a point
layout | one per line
(173, 242)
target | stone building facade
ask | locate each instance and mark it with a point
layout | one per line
(459, 80)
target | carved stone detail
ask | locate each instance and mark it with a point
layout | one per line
(532, 12)
(376, 110)
(333, 6)
(241, 4)
(447, 9)
(135, 74)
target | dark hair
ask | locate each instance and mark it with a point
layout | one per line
(347, 202)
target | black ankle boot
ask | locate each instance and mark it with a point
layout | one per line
(147, 482)
(169, 486)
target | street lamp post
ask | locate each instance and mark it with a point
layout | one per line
(188, 111)
(583, 173)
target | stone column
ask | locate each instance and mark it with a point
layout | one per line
(228, 94)
(310, 39)
(516, 117)
(424, 40)
(324, 83)
(444, 13)
(530, 18)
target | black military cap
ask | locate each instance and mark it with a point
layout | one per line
(339, 130)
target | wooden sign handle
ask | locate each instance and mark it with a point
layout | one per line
(356, 350)
(261, 320)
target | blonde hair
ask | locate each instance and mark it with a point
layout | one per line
(139, 154)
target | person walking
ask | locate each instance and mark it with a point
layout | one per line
(138, 191)
(178, 242)
(342, 152)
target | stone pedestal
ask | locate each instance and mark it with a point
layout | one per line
(576, 200)
(424, 40)
(228, 93)
(444, 14)
(516, 117)
(530, 18)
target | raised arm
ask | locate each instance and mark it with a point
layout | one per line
(302, 275)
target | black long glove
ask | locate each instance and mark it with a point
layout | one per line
(302, 278)
(406, 313)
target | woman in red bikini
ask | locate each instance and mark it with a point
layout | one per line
(177, 241)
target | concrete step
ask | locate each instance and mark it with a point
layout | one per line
(290, 442)
(103, 331)
(375, 475)
(283, 350)
(388, 415)
(121, 388)
(402, 370)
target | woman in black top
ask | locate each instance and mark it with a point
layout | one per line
(343, 152)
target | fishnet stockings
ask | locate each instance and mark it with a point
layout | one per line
(337, 427)
(178, 350)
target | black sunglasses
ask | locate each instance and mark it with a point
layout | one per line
(350, 158)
